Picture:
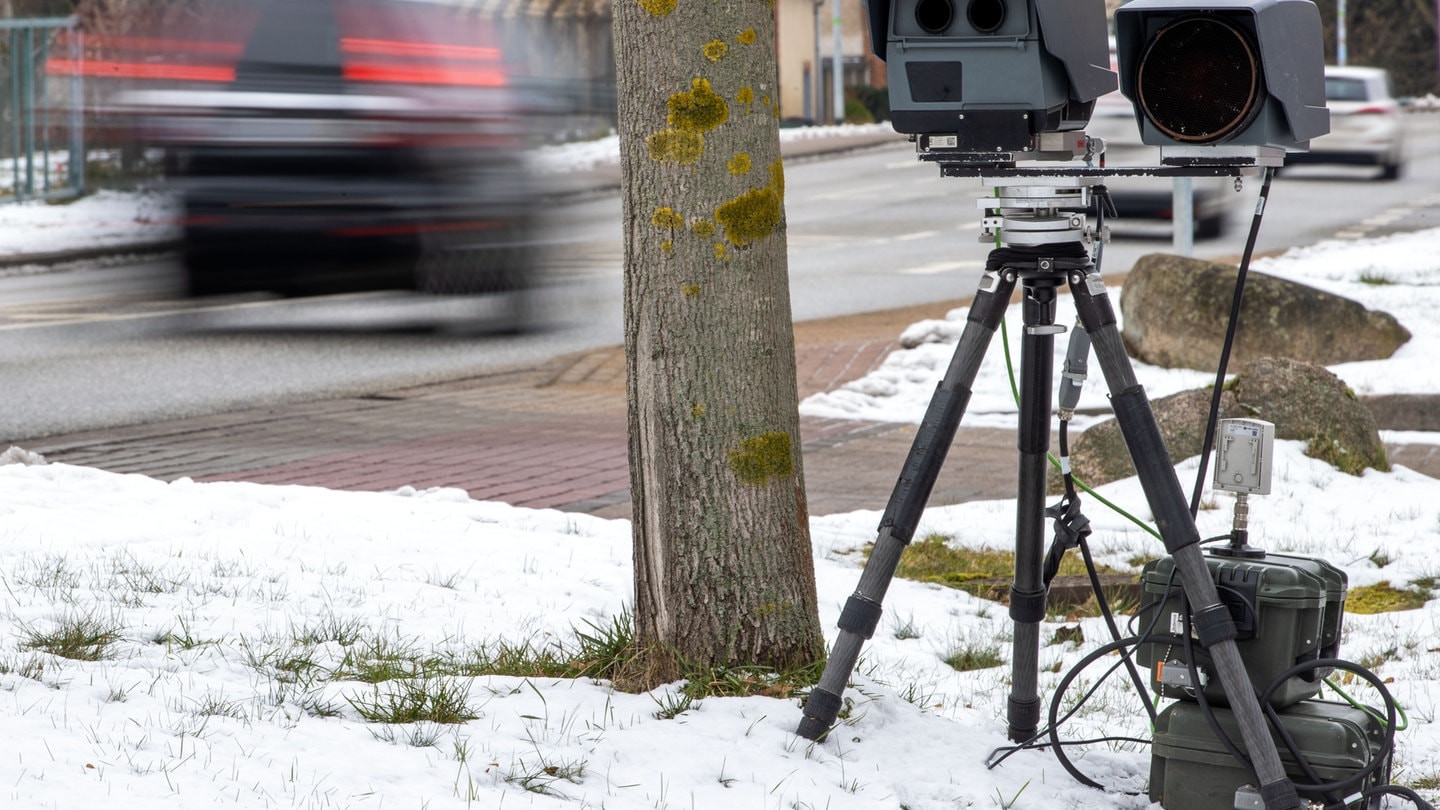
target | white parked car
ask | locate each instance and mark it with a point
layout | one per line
(1366, 123)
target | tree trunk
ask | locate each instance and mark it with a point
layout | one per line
(723, 566)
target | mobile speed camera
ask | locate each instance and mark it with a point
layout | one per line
(992, 76)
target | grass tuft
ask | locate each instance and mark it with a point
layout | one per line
(79, 638)
(417, 700)
(969, 656)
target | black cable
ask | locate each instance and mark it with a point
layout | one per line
(1072, 529)
(1123, 645)
(1206, 712)
(1387, 745)
(1104, 605)
(1230, 330)
(1055, 720)
(1398, 790)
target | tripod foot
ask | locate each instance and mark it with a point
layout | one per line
(1023, 717)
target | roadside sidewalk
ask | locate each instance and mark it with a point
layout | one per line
(551, 437)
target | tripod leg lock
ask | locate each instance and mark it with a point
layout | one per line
(861, 616)
(1027, 607)
(1213, 625)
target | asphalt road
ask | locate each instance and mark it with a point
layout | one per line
(105, 344)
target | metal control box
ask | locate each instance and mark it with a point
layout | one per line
(1287, 610)
(1191, 770)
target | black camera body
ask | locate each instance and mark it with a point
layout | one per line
(1223, 73)
(987, 76)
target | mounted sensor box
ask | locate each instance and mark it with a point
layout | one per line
(991, 75)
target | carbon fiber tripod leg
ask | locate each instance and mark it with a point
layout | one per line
(1027, 591)
(861, 614)
(1212, 620)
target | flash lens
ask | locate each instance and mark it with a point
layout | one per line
(986, 16)
(1199, 80)
(934, 16)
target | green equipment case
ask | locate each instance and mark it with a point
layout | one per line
(1191, 770)
(1287, 610)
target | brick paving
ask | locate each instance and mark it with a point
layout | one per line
(553, 436)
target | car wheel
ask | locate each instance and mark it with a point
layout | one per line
(1390, 170)
(482, 270)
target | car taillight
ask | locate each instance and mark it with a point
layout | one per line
(157, 58)
(398, 62)
(1375, 109)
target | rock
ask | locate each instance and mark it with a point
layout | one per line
(1175, 312)
(1309, 403)
(1304, 401)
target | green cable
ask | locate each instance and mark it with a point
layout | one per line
(1403, 722)
(1055, 462)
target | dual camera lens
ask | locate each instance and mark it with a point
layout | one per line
(935, 16)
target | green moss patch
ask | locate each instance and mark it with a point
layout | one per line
(1382, 597)
(759, 459)
(976, 571)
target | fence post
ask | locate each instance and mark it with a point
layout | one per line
(34, 108)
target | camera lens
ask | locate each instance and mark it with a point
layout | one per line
(986, 16)
(1199, 80)
(934, 16)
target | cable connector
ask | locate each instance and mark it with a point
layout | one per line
(1074, 371)
(1177, 673)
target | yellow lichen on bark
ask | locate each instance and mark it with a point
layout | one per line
(698, 109)
(746, 37)
(676, 146)
(777, 177)
(739, 164)
(755, 214)
(667, 218)
(658, 8)
(715, 50)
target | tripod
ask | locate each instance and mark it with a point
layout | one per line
(1044, 250)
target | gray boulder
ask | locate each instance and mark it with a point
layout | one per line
(1304, 401)
(1176, 309)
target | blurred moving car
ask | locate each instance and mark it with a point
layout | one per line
(1367, 124)
(324, 146)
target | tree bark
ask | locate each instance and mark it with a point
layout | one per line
(723, 566)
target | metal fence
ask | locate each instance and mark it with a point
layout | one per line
(42, 135)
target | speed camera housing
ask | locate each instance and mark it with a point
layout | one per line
(992, 75)
(1243, 73)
